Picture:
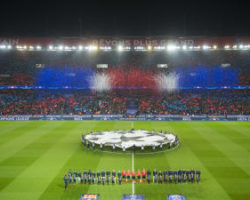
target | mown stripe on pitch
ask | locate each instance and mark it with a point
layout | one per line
(19, 131)
(31, 183)
(11, 126)
(211, 188)
(108, 161)
(244, 124)
(219, 139)
(79, 160)
(239, 127)
(183, 158)
(220, 173)
(14, 145)
(11, 167)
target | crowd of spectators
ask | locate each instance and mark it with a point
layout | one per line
(215, 102)
(185, 102)
(31, 102)
(16, 80)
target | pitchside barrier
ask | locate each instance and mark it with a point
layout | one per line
(131, 117)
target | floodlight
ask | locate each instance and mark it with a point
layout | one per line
(120, 48)
(205, 47)
(149, 47)
(60, 47)
(227, 47)
(92, 48)
(38, 47)
(184, 47)
(171, 47)
(80, 47)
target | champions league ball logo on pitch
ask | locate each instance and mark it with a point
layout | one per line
(133, 139)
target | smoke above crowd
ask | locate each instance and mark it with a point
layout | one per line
(167, 82)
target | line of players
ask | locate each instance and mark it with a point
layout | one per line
(107, 177)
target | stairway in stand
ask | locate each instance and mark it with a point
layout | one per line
(132, 106)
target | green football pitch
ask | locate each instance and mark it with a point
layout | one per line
(35, 155)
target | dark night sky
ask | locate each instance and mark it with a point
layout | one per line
(136, 18)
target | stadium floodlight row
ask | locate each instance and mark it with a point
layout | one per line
(120, 48)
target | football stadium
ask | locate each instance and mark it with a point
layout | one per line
(124, 118)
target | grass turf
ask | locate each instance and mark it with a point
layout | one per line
(34, 156)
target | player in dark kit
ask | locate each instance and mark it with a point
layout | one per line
(119, 180)
(66, 180)
(103, 180)
(154, 175)
(98, 179)
(155, 179)
(119, 174)
(108, 173)
(123, 175)
(188, 176)
(133, 176)
(128, 175)
(165, 178)
(98, 174)
(85, 178)
(70, 179)
(89, 179)
(198, 176)
(108, 177)
(93, 177)
(192, 175)
(175, 177)
(160, 177)
(179, 176)
(138, 176)
(70, 173)
(143, 175)
(184, 176)
(103, 173)
(113, 180)
(170, 176)
(149, 179)
(81, 178)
